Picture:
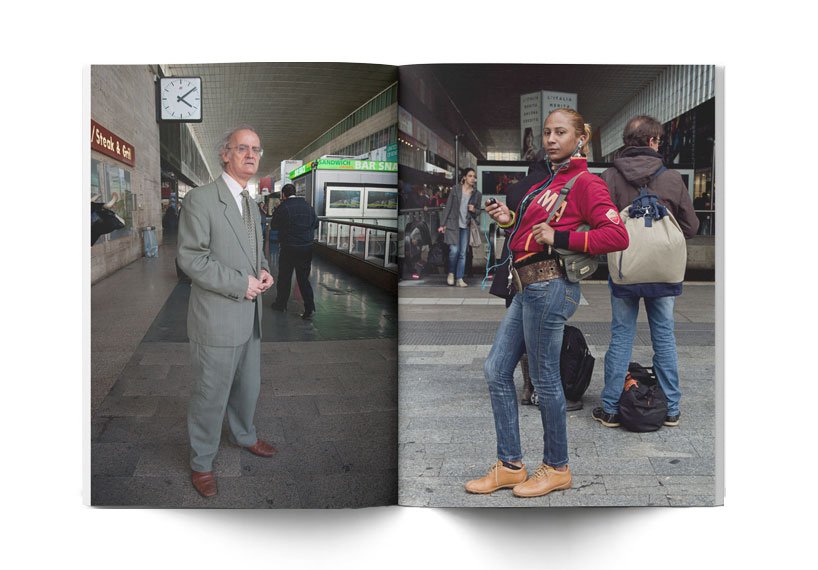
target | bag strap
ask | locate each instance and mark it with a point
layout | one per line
(643, 190)
(563, 194)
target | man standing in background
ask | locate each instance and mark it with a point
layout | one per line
(296, 222)
(640, 164)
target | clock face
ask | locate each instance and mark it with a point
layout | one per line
(180, 99)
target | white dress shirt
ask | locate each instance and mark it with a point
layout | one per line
(235, 190)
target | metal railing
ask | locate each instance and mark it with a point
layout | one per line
(374, 244)
(431, 216)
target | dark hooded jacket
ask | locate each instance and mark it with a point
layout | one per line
(634, 167)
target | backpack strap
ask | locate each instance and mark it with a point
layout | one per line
(563, 194)
(643, 190)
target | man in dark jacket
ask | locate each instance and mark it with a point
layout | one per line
(637, 165)
(296, 222)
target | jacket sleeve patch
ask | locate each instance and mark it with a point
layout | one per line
(613, 215)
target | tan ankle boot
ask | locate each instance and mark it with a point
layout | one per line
(544, 480)
(498, 477)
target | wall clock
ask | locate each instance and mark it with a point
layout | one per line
(179, 99)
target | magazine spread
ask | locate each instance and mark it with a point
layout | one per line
(336, 285)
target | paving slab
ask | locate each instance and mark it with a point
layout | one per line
(328, 399)
(447, 432)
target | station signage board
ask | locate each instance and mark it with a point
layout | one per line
(106, 142)
(345, 164)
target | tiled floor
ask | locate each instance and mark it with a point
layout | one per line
(446, 424)
(328, 398)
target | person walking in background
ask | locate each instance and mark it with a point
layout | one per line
(636, 166)
(264, 216)
(462, 207)
(220, 250)
(544, 301)
(296, 223)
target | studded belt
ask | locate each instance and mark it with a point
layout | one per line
(536, 272)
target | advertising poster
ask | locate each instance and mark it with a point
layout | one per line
(534, 108)
(381, 200)
(496, 182)
(530, 125)
(350, 199)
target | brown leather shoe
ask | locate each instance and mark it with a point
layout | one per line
(544, 480)
(498, 477)
(204, 482)
(262, 449)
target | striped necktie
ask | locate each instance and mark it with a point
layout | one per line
(248, 223)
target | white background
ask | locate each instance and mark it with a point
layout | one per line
(769, 206)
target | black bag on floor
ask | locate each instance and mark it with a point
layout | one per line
(438, 253)
(576, 364)
(642, 405)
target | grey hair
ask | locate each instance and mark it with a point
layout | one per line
(224, 142)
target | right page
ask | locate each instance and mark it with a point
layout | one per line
(557, 308)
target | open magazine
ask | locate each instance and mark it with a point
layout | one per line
(374, 363)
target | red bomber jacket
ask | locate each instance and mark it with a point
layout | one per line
(588, 202)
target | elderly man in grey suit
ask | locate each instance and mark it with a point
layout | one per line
(220, 249)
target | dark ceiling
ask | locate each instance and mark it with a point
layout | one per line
(289, 104)
(488, 95)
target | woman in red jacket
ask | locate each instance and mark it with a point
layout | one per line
(537, 315)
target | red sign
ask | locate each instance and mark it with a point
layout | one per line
(265, 185)
(106, 142)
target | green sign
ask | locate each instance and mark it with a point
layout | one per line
(346, 164)
(392, 152)
(303, 169)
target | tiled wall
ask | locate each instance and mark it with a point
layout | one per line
(122, 101)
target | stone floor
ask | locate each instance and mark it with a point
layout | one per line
(328, 398)
(446, 428)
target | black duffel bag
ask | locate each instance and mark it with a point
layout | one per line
(642, 405)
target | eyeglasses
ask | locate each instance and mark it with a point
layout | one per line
(658, 140)
(243, 149)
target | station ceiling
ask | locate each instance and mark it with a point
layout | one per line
(488, 95)
(292, 104)
(289, 104)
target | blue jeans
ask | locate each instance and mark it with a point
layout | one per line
(535, 321)
(623, 331)
(457, 254)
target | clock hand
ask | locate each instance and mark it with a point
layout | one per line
(186, 103)
(179, 98)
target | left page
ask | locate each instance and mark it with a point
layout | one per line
(243, 285)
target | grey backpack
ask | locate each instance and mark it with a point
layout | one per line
(654, 263)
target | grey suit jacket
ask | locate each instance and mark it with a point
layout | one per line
(213, 250)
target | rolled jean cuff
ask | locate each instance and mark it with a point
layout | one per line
(510, 458)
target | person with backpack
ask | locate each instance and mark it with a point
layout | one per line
(545, 219)
(639, 165)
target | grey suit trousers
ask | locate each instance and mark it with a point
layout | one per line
(228, 378)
